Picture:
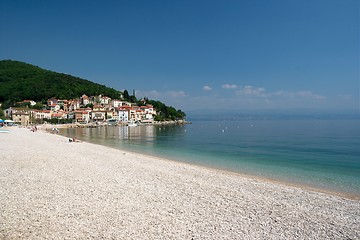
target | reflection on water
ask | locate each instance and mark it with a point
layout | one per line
(143, 139)
(319, 153)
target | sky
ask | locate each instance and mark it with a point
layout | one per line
(197, 55)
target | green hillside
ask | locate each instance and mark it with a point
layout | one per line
(20, 81)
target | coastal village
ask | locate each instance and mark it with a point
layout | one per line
(86, 110)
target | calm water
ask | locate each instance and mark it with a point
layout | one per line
(319, 153)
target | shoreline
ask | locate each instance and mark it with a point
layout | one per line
(47, 129)
(48, 126)
(56, 189)
(307, 187)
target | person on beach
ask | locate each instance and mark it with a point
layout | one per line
(73, 139)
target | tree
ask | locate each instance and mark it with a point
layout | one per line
(20, 81)
(132, 99)
(126, 95)
(38, 106)
(89, 105)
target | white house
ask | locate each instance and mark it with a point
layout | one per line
(148, 113)
(41, 114)
(98, 115)
(84, 100)
(118, 103)
(123, 114)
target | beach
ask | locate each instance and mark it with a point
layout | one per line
(55, 189)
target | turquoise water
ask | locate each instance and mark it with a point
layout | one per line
(321, 153)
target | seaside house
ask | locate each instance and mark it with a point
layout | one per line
(143, 114)
(54, 107)
(105, 100)
(147, 113)
(137, 114)
(115, 114)
(52, 101)
(82, 116)
(74, 105)
(98, 108)
(58, 115)
(84, 100)
(133, 114)
(102, 115)
(9, 112)
(127, 104)
(42, 114)
(102, 100)
(88, 109)
(98, 115)
(118, 103)
(21, 116)
(62, 103)
(110, 114)
(123, 114)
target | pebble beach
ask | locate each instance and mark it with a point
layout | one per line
(55, 189)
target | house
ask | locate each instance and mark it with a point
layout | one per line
(99, 115)
(21, 117)
(85, 109)
(84, 100)
(62, 103)
(54, 107)
(42, 114)
(58, 115)
(105, 100)
(82, 116)
(98, 108)
(134, 114)
(102, 115)
(9, 112)
(148, 113)
(110, 114)
(52, 101)
(116, 103)
(73, 104)
(123, 114)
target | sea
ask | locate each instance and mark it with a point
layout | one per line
(321, 152)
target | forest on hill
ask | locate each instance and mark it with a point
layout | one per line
(22, 81)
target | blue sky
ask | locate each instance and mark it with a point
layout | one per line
(197, 55)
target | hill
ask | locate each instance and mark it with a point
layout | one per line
(20, 81)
